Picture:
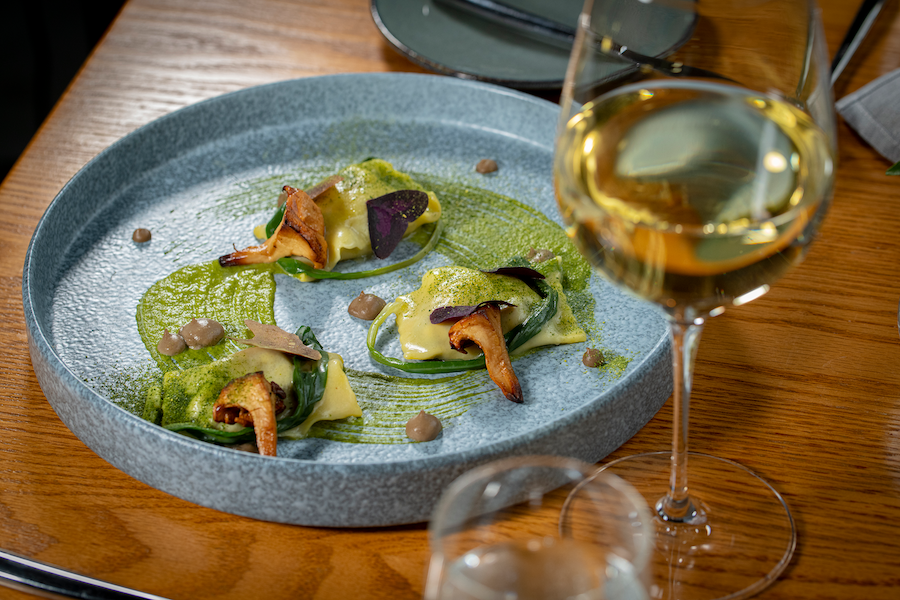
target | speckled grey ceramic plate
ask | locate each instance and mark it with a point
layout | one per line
(199, 179)
(447, 39)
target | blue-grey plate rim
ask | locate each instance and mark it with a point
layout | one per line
(296, 491)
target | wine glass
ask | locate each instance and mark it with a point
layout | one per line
(693, 165)
(496, 534)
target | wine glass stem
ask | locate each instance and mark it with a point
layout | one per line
(676, 505)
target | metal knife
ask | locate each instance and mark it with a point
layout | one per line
(863, 21)
(47, 581)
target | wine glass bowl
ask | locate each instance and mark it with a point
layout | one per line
(665, 190)
(695, 181)
(496, 534)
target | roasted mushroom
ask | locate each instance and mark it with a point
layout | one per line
(482, 328)
(251, 401)
(301, 233)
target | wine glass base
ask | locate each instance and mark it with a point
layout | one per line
(743, 539)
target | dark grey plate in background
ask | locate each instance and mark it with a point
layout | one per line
(439, 36)
(183, 177)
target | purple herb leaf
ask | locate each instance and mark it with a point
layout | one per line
(523, 273)
(447, 313)
(389, 216)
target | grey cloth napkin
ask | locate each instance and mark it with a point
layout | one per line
(874, 112)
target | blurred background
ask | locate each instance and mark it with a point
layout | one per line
(43, 43)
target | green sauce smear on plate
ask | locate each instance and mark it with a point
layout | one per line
(472, 218)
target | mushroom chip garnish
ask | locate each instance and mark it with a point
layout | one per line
(276, 338)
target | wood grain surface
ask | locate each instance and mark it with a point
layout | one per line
(802, 385)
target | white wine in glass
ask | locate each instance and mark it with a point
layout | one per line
(699, 193)
(695, 179)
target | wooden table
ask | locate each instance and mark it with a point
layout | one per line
(803, 385)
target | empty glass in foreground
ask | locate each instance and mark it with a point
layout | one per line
(496, 534)
(693, 170)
